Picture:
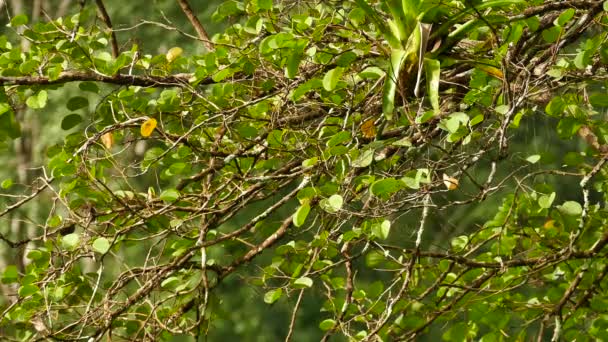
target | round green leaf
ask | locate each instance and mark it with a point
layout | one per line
(101, 245)
(38, 100)
(77, 102)
(70, 241)
(7, 183)
(571, 208)
(70, 121)
(336, 202)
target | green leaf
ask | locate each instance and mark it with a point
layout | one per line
(37, 101)
(460, 242)
(331, 78)
(169, 195)
(10, 275)
(339, 138)
(89, 86)
(310, 162)
(386, 187)
(454, 121)
(556, 106)
(533, 159)
(346, 59)
(101, 245)
(35, 254)
(7, 183)
(302, 282)
(55, 221)
(327, 324)
(70, 121)
(571, 208)
(551, 35)
(432, 67)
(332, 204)
(365, 158)
(372, 73)
(564, 17)
(390, 83)
(170, 282)
(381, 229)
(77, 102)
(19, 20)
(70, 241)
(273, 295)
(28, 290)
(336, 202)
(300, 216)
(545, 201)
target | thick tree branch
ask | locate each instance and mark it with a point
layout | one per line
(200, 30)
(119, 79)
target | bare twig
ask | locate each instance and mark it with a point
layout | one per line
(106, 20)
(200, 30)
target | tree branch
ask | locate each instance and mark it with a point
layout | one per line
(119, 79)
(200, 30)
(106, 19)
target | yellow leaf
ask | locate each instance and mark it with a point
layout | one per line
(173, 53)
(148, 127)
(369, 129)
(450, 182)
(491, 70)
(107, 140)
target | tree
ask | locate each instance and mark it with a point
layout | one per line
(379, 170)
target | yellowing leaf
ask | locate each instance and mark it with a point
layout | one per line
(107, 140)
(148, 127)
(173, 53)
(450, 182)
(491, 70)
(369, 129)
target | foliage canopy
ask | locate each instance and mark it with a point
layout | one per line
(389, 170)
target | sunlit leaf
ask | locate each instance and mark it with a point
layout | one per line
(148, 127)
(331, 78)
(173, 53)
(301, 214)
(450, 183)
(432, 67)
(273, 295)
(390, 83)
(101, 245)
(107, 139)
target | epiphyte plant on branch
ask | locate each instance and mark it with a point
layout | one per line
(314, 170)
